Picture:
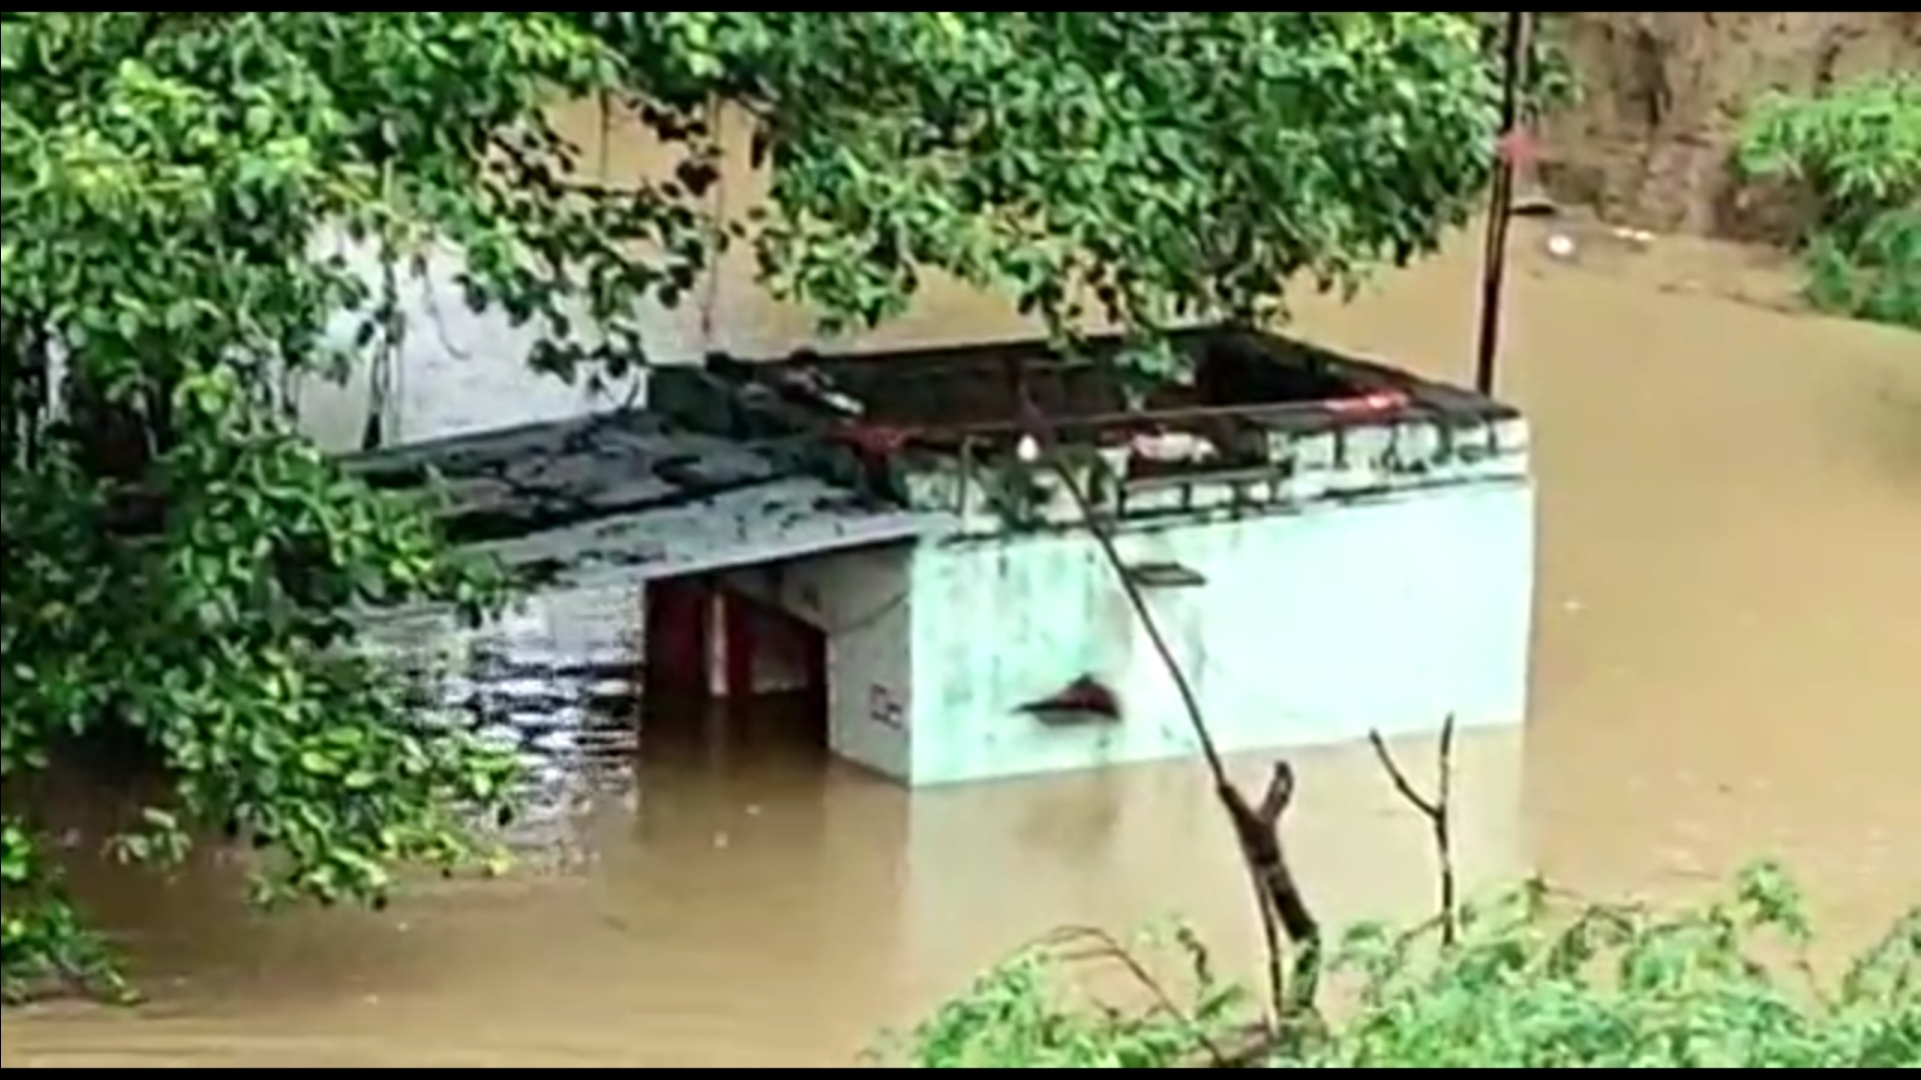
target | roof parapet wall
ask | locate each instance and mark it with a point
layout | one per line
(1383, 431)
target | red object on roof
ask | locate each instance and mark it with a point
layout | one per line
(874, 440)
(1518, 147)
(1380, 401)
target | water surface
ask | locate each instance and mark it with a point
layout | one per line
(1728, 663)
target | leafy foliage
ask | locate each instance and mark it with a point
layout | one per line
(1525, 986)
(1158, 164)
(1857, 149)
(1021, 1014)
(182, 570)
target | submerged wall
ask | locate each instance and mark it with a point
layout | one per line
(1312, 627)
(553, 680)
(1377, 576)
(558, 679)
(1325, 571)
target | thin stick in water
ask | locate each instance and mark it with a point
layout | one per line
(1439, 814)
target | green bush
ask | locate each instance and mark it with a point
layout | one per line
(1857, 151)
(1527, 984)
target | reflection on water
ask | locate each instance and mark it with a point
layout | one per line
(1728, 624)
(571, 724)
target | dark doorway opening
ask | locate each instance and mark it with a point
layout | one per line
(725, 674)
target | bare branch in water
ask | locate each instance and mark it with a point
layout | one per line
(1256, 832)
(1439, 812)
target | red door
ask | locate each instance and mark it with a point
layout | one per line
(677, 614)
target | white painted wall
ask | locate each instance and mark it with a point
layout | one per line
(1313, 627)
(457, 371)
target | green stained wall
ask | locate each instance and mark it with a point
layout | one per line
(1314, 625)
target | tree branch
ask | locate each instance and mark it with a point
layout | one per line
(1257, 833)
(1439, 814)
(1094, 944)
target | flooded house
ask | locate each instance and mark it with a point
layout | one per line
(1327, 545)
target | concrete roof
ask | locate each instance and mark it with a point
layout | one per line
(629, 494)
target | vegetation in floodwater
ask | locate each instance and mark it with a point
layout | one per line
(1856, 150)
(1532, 981)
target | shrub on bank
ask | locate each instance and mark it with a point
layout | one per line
(1856, 150)
(1527, 984)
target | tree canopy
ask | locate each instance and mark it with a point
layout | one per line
(183, 569)
(1172, 164)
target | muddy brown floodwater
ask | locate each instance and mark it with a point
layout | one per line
(1728, 663)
